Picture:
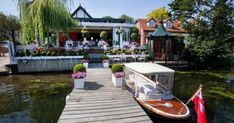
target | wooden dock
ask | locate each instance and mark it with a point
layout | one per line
(101, 102)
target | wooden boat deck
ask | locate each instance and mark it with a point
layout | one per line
(100, 101)
(177, 111)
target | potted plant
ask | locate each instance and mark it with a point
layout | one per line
(105, 61)
(117, 75)
(79, 73)
(85, 33)
(85, 61)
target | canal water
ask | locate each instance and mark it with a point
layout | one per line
(40, 98)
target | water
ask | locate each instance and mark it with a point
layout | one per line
(40, 98)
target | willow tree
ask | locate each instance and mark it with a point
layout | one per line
(40, 17)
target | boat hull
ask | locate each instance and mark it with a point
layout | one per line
(178, 111)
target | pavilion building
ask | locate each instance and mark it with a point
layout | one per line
(159, 36)
(95, 26)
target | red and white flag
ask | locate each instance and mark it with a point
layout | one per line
(199, 106)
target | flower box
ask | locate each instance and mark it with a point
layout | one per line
(79, 83)
(106, 64)
(79, 73)
(118, 82)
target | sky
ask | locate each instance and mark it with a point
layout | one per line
(100, 8)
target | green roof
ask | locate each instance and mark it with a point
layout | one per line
(160, 32)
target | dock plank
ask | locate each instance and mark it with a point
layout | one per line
(101, 102)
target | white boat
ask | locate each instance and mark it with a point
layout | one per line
(152, 86)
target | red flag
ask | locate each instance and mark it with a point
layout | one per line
(199, 107)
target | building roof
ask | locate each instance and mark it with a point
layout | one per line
(175, 28)
(106, 20)
(91, 19)
(81, 8)
(149, 68)
(160, 32)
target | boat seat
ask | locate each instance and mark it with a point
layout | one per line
(149, 90)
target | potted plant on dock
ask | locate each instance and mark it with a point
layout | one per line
(117, 75)
(79, 73)
(85, 61)
(105, 61)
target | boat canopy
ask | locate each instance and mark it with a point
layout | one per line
(149, 68)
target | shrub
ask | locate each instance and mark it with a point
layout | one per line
(26, 52)
(105, 57)
(48, 53)
(79, 68)
(86, 57)
(104, 35)
(53, 54)
(117, 68)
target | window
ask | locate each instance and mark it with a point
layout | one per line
(169, 24)
(151, 23)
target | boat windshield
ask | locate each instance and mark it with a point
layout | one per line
(163, 81)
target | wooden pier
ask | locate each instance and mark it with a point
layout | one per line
(101, 102)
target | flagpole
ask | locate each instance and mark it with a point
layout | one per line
(200, 87)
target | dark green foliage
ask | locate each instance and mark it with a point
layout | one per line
(107, 17)
(135, 36)
(39, 18)
(178, 45)
(210, 27)
(48, 53)
(7, 23)
(79, 68)
(127, 19)
(53, 54)
(86, 57)
(117, 68)
(104, 57)
(26, 52)
(85, 33)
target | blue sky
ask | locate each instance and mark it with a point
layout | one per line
(100, 8)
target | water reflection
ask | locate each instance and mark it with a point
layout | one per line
(36, 98)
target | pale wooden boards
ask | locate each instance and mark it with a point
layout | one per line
(102, 104)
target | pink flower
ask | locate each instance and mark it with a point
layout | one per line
(119, 74)
(79, 75)
(105, 61)
(85, 61)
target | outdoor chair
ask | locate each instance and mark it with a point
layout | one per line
(141, 58)
(117, 60)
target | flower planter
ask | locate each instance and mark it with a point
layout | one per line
(86, 64)
(118, 82)
(106, 64)
(78, 83)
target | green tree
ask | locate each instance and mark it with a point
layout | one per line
(127, 19)
(85, 33)
(7, 24)
(158, 13)
(104, 35)
(135, 34)
(210, 27)
(40, 17)
(107, 17)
